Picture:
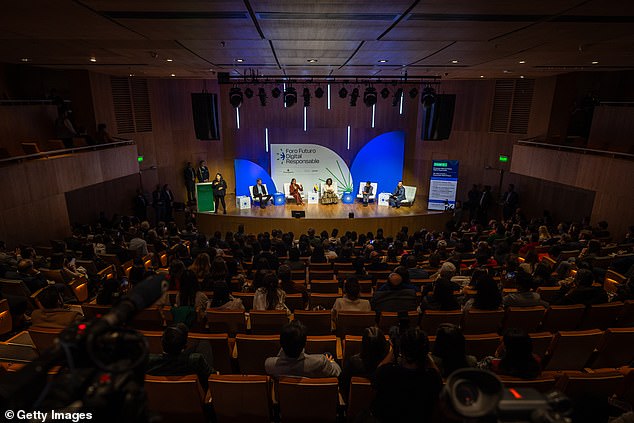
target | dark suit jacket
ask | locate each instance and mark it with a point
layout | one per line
(185, 363)
(190, 175)
(395, 300)
(399, 193)
(259, 190)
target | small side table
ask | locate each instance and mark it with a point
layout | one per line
(279, 199)
(243, 202)
(313, 198)
(347, 198)
(384, 199)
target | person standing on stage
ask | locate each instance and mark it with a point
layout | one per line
(203, 172)
(158, 203)
(260, 194)
(367, 192)
(329, 196)
(296, 191)
(168, 197)
(220, 189)
(398, 195)
(190, 182)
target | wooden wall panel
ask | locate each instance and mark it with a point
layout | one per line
(612, 129)
(26, 123)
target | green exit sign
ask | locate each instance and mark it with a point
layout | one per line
(503, 158)
(139, 159)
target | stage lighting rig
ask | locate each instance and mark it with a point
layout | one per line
(276, 92)
(319, 92)
(428, 97)
(235, 97)
(306, 95)
(413, 93)
(262, 95)
(248, 93)
(385, 93)
(343, 93)
(290, 97)
(397, 97)
(353, 97)
(369, 96)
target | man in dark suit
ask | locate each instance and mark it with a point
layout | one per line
(260, 194)
(510, 202)
(395, 295)
(140, 205)
(158, 202)
(398, 195)
(486, 199)
(177, 361)
(203, 172)
(33, 279)
(190, 181)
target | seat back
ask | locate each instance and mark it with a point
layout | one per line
(541, 342)
(431, 319)
(14, 287)
(150, 318)
(410, 194)
(175, 398)
(390, 318)
(253, 350)
(298, 399)
(527, 318)
(544, 383)
(482, 321)
(322, 275)
(482, 345)
(571, 350)
(246, 298)
(226, 321)
(30, 147)
(626, 318)
(43, 338)
(351, 345)
(6, 320)
(220, 349)
(324, 287)
(577, 385)
(321, 344)
(602, 316)
(316, 322)
(94, 311)
(548, 293)
(294, 302)
(615, 348)
(251, 192)
(323, 300)
(360, 397)
(80, 289)
(230, 393)
(564, 317)
(268, 321)
(354, 322)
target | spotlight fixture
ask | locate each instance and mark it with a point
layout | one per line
(290, 97)
(343, 93)
(25, 59)
(235, 97)
(312, 60)
(595, 62)
(454, 61)
(428, 98)
(383, 61)
(521, 62)
(306, 95)
(239, 60)
(369, 96)
(93, 59)
(397, 97)
(385, 93)
(413, 93)
(262, 95)
(276, 92)
(248, 92)
(319, 92)
(169, 60)
(353, 97)
(172, 75)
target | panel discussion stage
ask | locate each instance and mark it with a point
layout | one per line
(324, 217)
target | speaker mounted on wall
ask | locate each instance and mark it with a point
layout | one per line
(438, 118)
(205, 112)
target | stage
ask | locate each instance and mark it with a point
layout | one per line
(322, 217)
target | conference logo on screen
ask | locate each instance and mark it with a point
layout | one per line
(297, 156)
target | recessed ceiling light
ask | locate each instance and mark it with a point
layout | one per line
(481, 76)
(131, 74)
(522, 76)
(312, 60)
(92, 59)
(595, 62)
(454, 61)
(25, 59)
(239, 60)
(173, 74)
(383, 61)
(169, 60)
(506, 71)
(521, 62)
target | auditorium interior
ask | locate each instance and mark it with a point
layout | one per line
(104, 103)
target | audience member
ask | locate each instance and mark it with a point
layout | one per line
(53, 315)
(514, 357)
(449, 352)
(525, 296)
(350, 300)
(581, 291)
(395, 296)
(374, 349)
(270, 296)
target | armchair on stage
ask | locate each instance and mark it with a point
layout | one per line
(375, 187)
(287, 192)
(257, 200)
(410, 195)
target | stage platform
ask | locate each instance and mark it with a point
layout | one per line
(322, 217)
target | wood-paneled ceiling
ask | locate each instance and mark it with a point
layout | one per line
(198, 38)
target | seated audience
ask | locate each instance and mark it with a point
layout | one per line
(374, 349)
(581, 291)
(222, 298)
(414, 271)
(191, 303)
(407, 387)
(449, 353)
(109, 292)
(525, 296)
(32, 278)
(294, 261)
(395, 296)
(53, 315)
(176, 360)
(350, 300)
(442, 297)
(269, 296)
(292, 360)
(488, 295)
(514, 357)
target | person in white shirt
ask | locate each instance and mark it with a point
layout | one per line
(350, 300)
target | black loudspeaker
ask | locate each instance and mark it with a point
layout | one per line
(438, 118)
(205, 112)
(298, 213)
(351, 215)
